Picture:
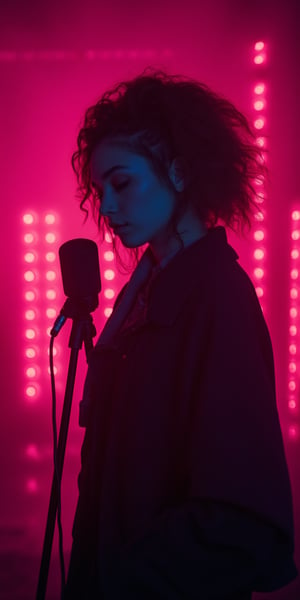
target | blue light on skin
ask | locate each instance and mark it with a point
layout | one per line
(132, 193)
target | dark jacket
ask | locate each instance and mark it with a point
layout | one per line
(184, 490)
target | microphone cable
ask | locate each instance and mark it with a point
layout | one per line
(56, 469)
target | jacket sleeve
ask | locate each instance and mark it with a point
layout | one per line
(235, 531)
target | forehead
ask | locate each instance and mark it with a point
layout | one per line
(107, 154)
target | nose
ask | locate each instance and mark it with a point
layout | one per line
(108, 206)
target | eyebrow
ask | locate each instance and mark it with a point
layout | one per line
(106, 174)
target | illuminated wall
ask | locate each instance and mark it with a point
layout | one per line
(51, 70)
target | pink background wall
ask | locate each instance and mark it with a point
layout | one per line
(41, 104)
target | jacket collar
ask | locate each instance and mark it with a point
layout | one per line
(188, 269)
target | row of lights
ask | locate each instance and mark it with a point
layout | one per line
(259, 106)
(294, 312)
(109, 274)
(40, 273)
(259, 123)
(41, 298)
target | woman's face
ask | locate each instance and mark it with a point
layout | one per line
(133, 196)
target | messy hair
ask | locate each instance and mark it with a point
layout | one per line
(161, 117)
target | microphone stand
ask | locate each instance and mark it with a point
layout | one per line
(83, 330)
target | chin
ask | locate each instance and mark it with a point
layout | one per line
(131, 241)
(132, 244)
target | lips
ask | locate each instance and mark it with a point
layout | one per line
(115, 225)
(117, 228)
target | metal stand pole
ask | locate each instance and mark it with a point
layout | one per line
(83, 330)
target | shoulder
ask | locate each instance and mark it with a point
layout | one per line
(224, 284)
(225, 306)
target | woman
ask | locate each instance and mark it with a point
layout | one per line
(184, 490)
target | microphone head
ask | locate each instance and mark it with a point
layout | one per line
(79, 262)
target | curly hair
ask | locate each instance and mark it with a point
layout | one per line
(161, 117)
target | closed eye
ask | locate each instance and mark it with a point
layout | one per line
(99, 191)
(121, 185)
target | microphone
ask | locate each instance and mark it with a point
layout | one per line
(79, 263)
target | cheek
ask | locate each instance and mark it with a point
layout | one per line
(149, 202)
(139, 200)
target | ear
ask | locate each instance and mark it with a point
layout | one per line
(176, 174)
